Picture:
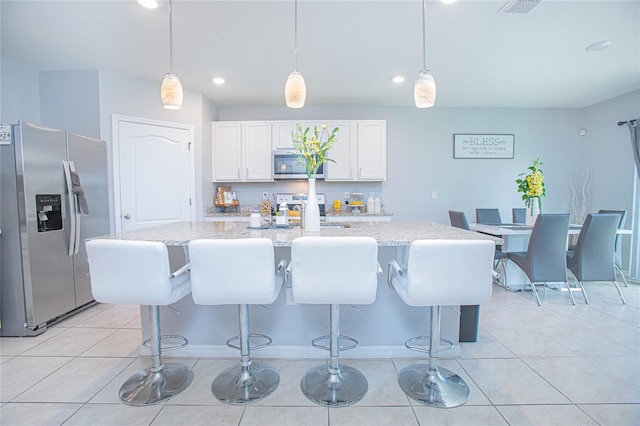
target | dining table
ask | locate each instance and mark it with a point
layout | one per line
(382, 327)
(515, 238)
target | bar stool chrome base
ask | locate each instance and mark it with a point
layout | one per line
(147, 387)
(345, 388)
(238, 386)
(444, 389)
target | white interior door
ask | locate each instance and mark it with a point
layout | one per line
(155, 182)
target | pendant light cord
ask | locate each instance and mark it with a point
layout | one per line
(424, 38)
(295, 37)
(170, 37)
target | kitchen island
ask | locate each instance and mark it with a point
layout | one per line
(381, 328)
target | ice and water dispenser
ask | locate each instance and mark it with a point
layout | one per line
(49, 212)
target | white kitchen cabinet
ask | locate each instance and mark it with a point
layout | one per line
(282, 132)
(360, 153)
(344, 152)
(241, 151)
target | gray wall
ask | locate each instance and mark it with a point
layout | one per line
(20, 92)
(419, 144)
(420, 155)
(124, 95)
(69, 100)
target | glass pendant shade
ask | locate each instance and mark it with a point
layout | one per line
(171, 91)
(424, 91)
(295, 91)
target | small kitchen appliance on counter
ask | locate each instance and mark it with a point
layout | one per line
(296, 202)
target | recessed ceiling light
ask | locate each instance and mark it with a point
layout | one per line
(218, 80)
(149, 4)
(398, 79)
(599, 45)
(448, 1)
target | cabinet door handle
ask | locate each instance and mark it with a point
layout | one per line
(360, 172)
(127, 216)
(247, 170)
(238, 172)
(350, 171)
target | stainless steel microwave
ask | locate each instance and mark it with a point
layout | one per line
(286, 166)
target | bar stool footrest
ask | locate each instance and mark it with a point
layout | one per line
(183, 342)
(411, 344)
(267, 342)
(354, 343)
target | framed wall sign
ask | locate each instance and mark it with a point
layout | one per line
(482, 146)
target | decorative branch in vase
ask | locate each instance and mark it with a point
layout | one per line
(312, 149)
(532, 187)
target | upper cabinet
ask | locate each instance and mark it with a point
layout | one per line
(360, 153)
(241, 151)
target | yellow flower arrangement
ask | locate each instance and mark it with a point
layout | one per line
(312, 147)
(532, 185)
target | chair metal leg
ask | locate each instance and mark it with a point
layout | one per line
(247, 381)
(584, 293)
(161, 381)
(430, 384)
(624, 302)
(573, 300)
(335, 385)
(624, 279)
(535, 293)
(504, 271)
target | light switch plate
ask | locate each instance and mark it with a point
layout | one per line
(434, 195)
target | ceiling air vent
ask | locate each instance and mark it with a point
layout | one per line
(518, 7)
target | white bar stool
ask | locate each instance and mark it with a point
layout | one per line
(441, 273)
(238, 272)
(137, 272)
(334, 270)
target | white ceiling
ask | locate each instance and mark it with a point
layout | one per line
(347, 50)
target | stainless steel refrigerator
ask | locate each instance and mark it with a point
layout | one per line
(54, 196)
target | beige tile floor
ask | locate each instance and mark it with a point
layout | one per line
(556, 364)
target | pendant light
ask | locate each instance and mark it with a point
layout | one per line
(424, 91)
(171, 92)
(295, 91)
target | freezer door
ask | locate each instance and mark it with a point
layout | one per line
(88, 157)
(48, 270)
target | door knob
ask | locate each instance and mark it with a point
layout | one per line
(127, 216)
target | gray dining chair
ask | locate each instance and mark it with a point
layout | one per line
(459, 220)
(488, 216)
(618, 242)
(545, 259)
(592, 259)
(519, 215)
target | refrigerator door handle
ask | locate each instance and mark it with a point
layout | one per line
(72, 207)
(76, 214)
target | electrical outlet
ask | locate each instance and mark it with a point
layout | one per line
(265, 195)
(434, 195)
(290, 299)
(347, 195)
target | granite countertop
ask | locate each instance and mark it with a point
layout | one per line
(386, 233)
(343, 213)
(332, 214)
